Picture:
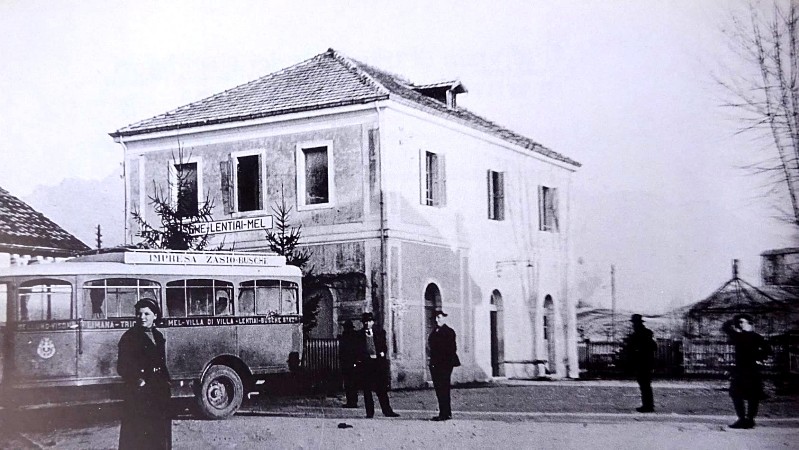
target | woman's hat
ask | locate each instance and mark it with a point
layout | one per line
(148, 303)
(367, 316)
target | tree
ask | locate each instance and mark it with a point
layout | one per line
(178, 211)
(767, 96)
(285, 241)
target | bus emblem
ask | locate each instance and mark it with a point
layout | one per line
(46, 348)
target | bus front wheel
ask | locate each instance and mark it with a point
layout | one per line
(221, 393)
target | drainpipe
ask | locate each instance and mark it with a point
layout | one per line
(383, 230)
(125, 185)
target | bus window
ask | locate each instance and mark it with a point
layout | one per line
(45, 300)
(266, 297)
(115, 297)
(260, 296)
(288, 294)
(3, 302)
(198, 297)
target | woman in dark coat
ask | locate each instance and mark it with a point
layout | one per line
(746, 383)
(146, 423)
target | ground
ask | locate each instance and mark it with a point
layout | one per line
(568, 414)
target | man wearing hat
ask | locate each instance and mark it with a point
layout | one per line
(372, 366)
(443, 358)
(640, 349)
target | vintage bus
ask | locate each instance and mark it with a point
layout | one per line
(231, 321)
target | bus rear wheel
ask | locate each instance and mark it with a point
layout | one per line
(221, 393)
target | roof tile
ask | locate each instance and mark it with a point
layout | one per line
(21, 225)
(327, 80)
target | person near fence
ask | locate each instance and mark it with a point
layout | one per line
(372, 366)
(640, 352)
(141, 362)
(348, 350)
(443, 358)
(746, 383)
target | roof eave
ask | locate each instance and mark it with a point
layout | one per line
(127, 133)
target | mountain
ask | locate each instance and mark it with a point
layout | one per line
(79, 206)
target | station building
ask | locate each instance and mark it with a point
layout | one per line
(408, 203)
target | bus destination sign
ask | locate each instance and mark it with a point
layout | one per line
(205, 258)
(233, 225)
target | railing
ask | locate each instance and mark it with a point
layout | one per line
(320, 362)
(678, 357)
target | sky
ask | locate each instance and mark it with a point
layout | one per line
(624, 87)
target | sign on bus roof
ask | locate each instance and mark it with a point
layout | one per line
(205, 258)
(233, 225)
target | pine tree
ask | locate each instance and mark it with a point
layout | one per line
(178, 219)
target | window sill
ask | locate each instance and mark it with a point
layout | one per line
(315, 206)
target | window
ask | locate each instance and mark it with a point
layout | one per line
(45, 300)
(496, 195)
(314, 175)
(115, 297)
(434, 187)
(248, 183)
(199, 298)
(268, 297)
(547, 208)
(186, 187)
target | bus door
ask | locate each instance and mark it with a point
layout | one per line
(107, 311)
(44, 334)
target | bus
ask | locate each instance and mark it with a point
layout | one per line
(232, 321)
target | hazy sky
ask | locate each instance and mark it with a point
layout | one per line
(624, 87)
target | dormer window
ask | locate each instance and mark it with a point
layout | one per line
(445, 92)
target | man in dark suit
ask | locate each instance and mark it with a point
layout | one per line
(641, 348)
(443, 358)
(348, 348)
(372, 366)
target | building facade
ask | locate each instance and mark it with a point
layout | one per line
(407, 202)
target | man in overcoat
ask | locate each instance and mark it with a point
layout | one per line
(442, 349)
(746, 383)
(348, 352)
(372, 366)
(641, 348)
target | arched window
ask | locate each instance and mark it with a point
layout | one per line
(432, 302)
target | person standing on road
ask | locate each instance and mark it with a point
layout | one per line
(746, 384)
(442, 349)
(640, 349)
(141, 363)
(348, 348)
(372, 366)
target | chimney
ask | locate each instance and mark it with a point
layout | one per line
(734, 268)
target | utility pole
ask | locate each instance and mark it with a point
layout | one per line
(613, 301)
(99, 235)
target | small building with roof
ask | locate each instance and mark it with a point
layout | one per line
(773, 308)
(27, 236)
(408, 203)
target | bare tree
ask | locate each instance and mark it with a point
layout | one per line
(766, 93)
(178, 210)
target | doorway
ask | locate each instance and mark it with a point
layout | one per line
(549, 332)
(497, 335)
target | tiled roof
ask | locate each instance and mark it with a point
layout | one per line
(24, 230)
(324, 81)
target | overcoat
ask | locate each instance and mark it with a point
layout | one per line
(146, 421)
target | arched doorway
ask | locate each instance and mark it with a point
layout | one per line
(549, 332)
(497, 335)
(325, 320)
(432, 302)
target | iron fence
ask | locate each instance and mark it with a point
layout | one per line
(683, 357)
(320, 362)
